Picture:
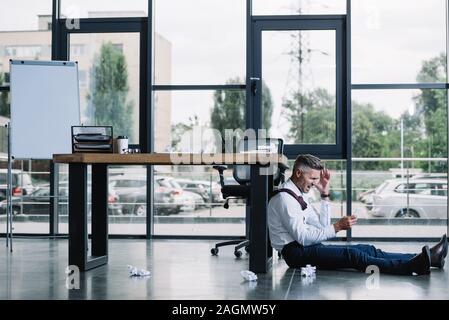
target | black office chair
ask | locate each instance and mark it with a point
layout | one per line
(242, 174)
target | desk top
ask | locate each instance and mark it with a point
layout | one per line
(171, 158)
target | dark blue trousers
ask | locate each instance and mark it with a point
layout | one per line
(346, 256)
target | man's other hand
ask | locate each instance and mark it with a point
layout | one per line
(345, 223)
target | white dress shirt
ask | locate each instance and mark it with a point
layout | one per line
(287, 222)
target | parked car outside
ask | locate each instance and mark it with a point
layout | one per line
(198, 201)
(134, 202)
(366, 197)
(38, 202)
(169, 197)
(215, 187)
(187, 201)
(21, 183)
(127, 183)
(195, 187)
(427, 198)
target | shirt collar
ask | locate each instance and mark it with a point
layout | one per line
(294, 187)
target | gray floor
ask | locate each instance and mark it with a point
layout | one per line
(184, 269)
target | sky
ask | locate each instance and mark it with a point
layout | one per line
(390, 39)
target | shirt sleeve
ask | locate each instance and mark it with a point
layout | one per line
(294, 220)
(325, 213)
(319, 218)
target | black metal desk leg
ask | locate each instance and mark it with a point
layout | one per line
(270, 192)
(258, 222)
(99, 210)
(78, 215)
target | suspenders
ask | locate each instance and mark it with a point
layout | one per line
(300, 199)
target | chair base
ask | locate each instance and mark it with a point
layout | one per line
(239, 244)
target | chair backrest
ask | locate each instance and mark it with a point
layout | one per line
(242, 173)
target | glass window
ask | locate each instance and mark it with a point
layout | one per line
(399, 137)
(198, 211)
(199, 42)
(299, 85)
(201, 212)
(391, 39)
(24, 15)
(23, 35)
(126, 199)
(101, 9)
(182, 115)
(381, 117)
(30, 202)
(289, 7)
(106, 57)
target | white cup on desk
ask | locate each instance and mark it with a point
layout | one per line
(121, 144)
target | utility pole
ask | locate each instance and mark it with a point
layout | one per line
(299, 54)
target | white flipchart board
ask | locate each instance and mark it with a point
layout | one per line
(44, 105)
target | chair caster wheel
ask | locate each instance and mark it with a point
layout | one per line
(214, 251)
(237, 253)
(247, 249)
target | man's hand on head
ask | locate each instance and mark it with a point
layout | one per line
(323, 184)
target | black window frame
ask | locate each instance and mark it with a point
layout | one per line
(115, 25)
(336, 23)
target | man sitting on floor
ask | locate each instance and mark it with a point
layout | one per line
(297, 230)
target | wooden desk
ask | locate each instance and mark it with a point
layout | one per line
(78, 163)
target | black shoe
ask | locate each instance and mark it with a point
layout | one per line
(420, 264)
(438, 252)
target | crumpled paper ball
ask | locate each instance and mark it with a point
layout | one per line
(248, 275)
(135, 272)
(308, 271)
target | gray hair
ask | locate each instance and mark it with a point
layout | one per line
(305, 162)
